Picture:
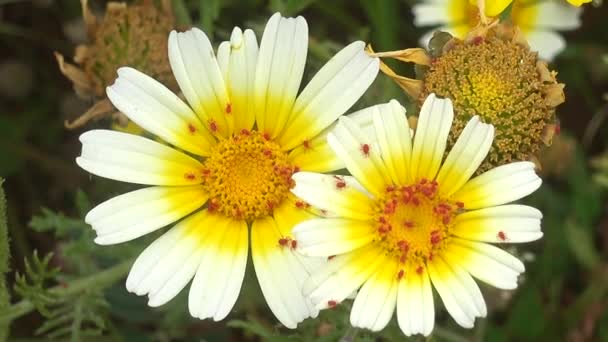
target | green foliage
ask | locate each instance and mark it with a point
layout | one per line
(78, 317)
(4, 259)
(33, 284)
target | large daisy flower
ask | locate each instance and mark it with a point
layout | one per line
(234, 148)
(538, 20)
(406, 222)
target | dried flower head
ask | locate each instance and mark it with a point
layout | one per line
(134, 35)
(492, 74)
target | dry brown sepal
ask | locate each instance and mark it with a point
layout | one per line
(134, 35)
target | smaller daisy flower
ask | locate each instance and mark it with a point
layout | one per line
(538, 20)
(405, 222)
(492, 74)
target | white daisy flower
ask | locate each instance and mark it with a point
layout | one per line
(538, 20)
(237, 141)
(406, 222)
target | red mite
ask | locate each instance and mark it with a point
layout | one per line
(332, 303)
(502, 236)
(189, 176)
(419, 270)
(400, 274)
(365, 149)
(213, 126)
(228, 108)
(340, 183)
(191, 128)
(307, 145)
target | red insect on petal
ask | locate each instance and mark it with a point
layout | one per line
(365, 149)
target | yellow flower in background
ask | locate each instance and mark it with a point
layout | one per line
(493, 7)
(405, 222)
(578, 3)
(538, 21)
(239, 138)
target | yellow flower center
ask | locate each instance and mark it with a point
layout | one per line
(247, 176)
(413, 223)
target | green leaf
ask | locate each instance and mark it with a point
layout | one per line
(4, 258)
(257, 329)
(581, 245)
(33, 284)
(527, 319)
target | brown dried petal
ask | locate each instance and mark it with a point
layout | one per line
(82, 84)
(99, 110)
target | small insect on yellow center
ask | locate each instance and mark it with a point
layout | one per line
(247, 176)
(414, 223)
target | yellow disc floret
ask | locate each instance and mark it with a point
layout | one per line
(498, 80)
(247, 176)
(414, 223)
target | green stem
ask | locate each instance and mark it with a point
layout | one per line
(182, 15)
(96, 281)
(447, 335)
(4, 258)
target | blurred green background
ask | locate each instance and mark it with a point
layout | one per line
(77, 292)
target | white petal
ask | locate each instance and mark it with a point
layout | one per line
(317, 156)
(342, 275)
(168, 264)
(505, 223)
(219, 276)
(394, 140)
(238, 60)
(341, 195)
(155, 108)
(331, 92)
(548, 15)
(280, 274)
(279, 71)
(140, 212)
(376, 301)
(432, 129)
(415, 307)
(200, 79)
(487, 263)
(547, 43)
(434, 13)
(133, 159)
(454, 296)
(360, 155)
(498, 186)
(326, 237)
(468, 153)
